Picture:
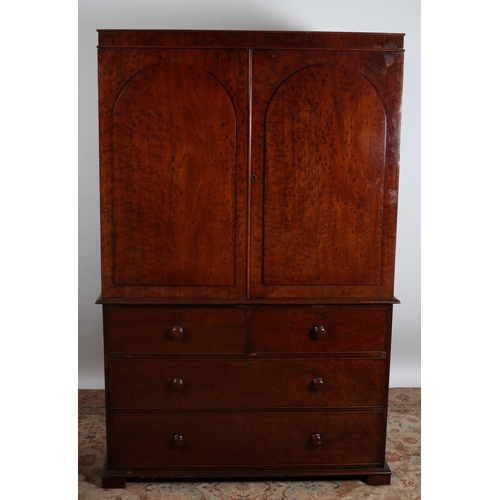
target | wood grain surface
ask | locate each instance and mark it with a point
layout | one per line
(346, 329)
(232, 439)
(263, 383)
(173, 142)
(324, 197)
(149, 330)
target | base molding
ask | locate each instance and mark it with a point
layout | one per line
(380, 478)
(371, 476)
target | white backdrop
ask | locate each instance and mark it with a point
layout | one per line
(397, 16)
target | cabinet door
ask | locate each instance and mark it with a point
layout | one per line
(173, 135)
(325, 140)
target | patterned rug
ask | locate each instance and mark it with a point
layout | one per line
(403, 457)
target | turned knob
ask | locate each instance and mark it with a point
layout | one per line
(178, 441)
(319, 332)
(177, 384)
(177, 332)
(316, 439)
(318, 384)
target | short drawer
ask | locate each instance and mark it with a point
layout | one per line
(236, 439)
(320, 329)
(262, 383)
(175, 330)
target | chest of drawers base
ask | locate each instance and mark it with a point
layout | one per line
(247, 390)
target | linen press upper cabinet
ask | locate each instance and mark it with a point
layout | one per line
(249, 185)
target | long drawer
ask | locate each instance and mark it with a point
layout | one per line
(235, 439)
(319, 329)
(175, 330)
(229, 383)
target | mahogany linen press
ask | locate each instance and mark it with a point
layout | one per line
(249, 188)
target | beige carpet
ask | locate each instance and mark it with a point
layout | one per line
(403, 456)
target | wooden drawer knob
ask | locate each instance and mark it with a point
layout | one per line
(318, 384)
(178, 441)
(319, 332)
(177, 384)
(316, 439)
(177, 332)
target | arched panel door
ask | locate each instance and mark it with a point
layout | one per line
(318, 200)
(174, 199)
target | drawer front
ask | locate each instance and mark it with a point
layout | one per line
(216, 439)
(290, 383)
(320, 329)
(171, 330)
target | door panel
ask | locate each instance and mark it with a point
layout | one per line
(177, 160)
(323, 167)
(174, 130)
(321, 224)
